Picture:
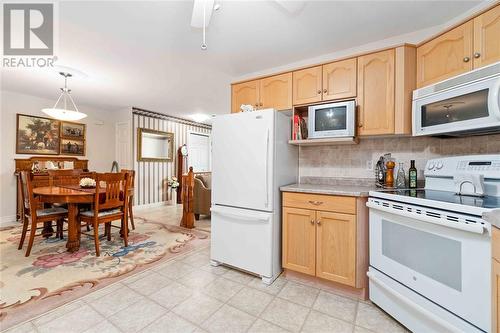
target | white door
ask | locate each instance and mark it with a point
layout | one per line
(242, 160)
(199, 151)
(242, 238)
(123, 144)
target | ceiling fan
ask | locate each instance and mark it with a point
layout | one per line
(203, 10)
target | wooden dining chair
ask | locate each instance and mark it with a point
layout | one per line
(109, 205)
(131, 195)
(33, 215)
(64, 177)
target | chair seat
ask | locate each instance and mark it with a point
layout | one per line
(51, 211)
(90, 213)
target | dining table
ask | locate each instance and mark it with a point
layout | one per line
(72, 195)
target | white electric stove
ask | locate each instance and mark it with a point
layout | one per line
(430, 249)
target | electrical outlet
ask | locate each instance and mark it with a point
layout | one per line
(369, 165)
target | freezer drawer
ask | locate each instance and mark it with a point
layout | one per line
(242, 238)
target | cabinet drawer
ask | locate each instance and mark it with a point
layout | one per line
(331, 203)
(495, 243)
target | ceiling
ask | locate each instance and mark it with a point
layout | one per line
(145, 54)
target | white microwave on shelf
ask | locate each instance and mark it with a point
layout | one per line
(332, 120)
(466, 104)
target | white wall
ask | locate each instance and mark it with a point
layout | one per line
(100, 143)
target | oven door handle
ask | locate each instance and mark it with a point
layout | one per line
(475, 228)
(414, 306)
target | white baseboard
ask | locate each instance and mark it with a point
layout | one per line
(151, 205)
(7, 221)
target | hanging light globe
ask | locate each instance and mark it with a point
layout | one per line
(64, 111)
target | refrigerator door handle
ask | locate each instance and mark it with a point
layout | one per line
(267, 170)
(240, 216)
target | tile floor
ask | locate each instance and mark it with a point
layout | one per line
(186, 294)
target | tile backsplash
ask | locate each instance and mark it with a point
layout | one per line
(351, 161)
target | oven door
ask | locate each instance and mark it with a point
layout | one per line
(332, 120)
(469, 107)
(450, 267)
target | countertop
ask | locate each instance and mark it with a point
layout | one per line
(493, 217)
(353, 190)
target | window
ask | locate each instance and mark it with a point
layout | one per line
(199, 152)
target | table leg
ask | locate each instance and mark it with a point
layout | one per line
(47, 230)
(73, 244)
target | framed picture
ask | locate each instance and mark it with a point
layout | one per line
(37, 135)
(72, 130)
(72, 147)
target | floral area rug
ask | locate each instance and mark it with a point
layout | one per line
(51, 276)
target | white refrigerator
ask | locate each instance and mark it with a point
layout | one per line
(251, 159)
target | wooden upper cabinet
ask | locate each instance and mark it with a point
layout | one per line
(339, 79)
(487, 38)
(276, 92)
(445, 56)
(336, 247)
(299, 233)
(307, 85)
(244, 93)
(376, 93)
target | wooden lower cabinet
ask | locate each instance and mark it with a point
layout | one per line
(336, 247)
(299, 233)
(323, 243)
(496, 296)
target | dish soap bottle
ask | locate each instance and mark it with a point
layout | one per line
(412, 179)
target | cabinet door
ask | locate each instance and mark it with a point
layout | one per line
(336, 247)
(276, 92)
(244, 93)
(376, 93)
(445, 56)
(487, 38)
(299, 233)
(339, 79)
(307, 85)
(495, 295)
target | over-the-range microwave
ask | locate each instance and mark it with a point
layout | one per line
(463, 105)
(332, 120)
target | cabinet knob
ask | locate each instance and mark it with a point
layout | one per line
(466, 59)
(318, 222)
(325, 91)
(312, 222)
(477, 55)
(319, 92)
(260, 103)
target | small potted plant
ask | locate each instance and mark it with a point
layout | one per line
(173, 184)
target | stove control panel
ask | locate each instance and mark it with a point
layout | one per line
(487, 165)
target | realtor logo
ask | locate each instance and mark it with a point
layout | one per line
(28, 29)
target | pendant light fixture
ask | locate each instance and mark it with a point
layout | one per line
(65, 113)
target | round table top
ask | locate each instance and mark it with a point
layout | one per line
(59, 194)
(59, 190)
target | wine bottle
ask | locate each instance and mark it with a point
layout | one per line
(412, 179)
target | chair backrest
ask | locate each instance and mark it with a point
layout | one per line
(29, 201)
(132, 176)
(64, 177)
(116, 185)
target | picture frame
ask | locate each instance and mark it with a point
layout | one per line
(70, 130)
(154, 146)
(72, 147)
(37, 135)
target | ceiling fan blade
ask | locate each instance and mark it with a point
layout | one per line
(197, 16)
